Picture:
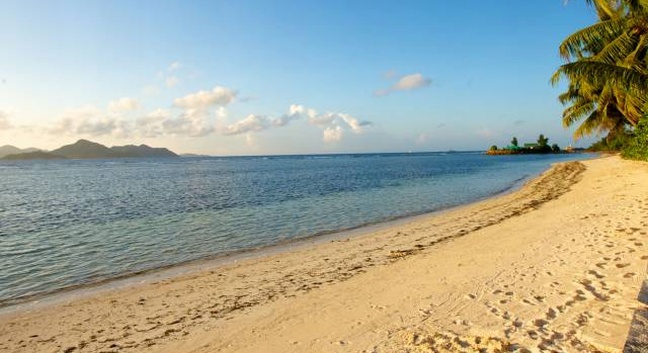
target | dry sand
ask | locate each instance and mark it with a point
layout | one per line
(555, 266)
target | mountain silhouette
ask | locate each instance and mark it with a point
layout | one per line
(84, 149)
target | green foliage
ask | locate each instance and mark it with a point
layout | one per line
(543, 145)
(543, 141)
(612, 142)
(637, 148)
(529, 148)
(607, 70)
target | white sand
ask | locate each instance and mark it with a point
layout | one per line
(556, 266)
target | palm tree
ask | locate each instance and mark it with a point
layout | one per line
(607, 69)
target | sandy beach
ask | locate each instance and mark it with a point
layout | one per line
(555, 266)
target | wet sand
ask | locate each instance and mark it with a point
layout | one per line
(554, 266)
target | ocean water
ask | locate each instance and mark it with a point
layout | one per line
(74, 222)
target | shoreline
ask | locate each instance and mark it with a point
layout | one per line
(126, 280)
(370, 291)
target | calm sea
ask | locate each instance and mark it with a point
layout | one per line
(67, 223)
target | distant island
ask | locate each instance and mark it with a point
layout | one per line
(84, 149)
(541, 146)
(191, 155)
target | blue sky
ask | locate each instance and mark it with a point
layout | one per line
(276, 77)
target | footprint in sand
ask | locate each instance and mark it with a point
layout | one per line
(527, 301)
(596, 274)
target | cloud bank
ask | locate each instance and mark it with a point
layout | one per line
(196, 114)
(218, 96)
(333, 124)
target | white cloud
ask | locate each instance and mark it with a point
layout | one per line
(197, 114)
(90, 121)
(218, 96)
(338, 119)
(332, 124)
(296, 109)
(192, 122)
(123, 105)
(171, 81)
(4, 121)
(162, 122)
(404, 83)
(186, 126)
(196, 117)
(411, 82)
(333, 134)
(221, 113)
(104, 126)
(252, 123)
(150, 125)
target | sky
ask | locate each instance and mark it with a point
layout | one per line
(250, 77)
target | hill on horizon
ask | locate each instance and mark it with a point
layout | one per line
(84, 149)
(9, 149)
(32, 155)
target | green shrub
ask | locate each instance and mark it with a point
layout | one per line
(612, 143)
(637, 148)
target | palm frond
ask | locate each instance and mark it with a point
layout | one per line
(577, 112)
(599, 74)
(590, 40)
(590, 125)
(638, 6)
(619, 49)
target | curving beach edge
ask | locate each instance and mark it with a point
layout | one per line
(554, 266)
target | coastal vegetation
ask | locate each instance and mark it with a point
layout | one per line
(541, 146)
(607, 72)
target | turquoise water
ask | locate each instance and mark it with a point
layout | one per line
(74, 222)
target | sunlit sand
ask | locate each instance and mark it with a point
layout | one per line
(554, 266)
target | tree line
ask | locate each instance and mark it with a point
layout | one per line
(541, 146)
